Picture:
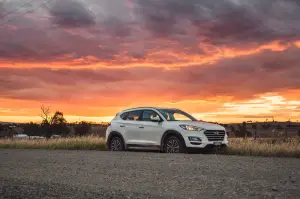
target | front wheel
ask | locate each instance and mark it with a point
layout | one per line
(173, 145)
(116, 144)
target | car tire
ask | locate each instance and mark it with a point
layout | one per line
(173, 144)
(116, 144)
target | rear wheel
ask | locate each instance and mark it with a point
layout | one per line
(116, 144)
(173, 144)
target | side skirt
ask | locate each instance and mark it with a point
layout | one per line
(143, 147)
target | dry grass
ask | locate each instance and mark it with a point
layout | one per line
(270, 147)
(87, 143)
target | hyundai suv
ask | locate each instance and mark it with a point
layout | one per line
(168, 130)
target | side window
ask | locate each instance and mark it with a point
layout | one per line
(124, 116)
(148, 115)
(133, 115)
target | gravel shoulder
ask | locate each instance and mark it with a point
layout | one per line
(100, 174)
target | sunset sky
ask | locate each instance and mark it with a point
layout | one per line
(223, 61)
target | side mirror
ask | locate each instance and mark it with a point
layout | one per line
(155, 119)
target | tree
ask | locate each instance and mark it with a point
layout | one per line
(254, 126)
(6, 131)
(242, 131)
(56, 124)
(279, 127)
(32, 129)
(266, 126)
(2, 130)
(82, 128)
(232, 128)
(59, 124)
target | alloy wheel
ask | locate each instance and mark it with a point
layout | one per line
(173, 146)
(116, 144)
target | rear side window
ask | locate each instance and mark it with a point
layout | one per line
(131, 115)
(124, 116)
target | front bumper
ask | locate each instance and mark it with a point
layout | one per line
(204, 141)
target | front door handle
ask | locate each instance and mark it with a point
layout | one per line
(122, 125)
(141, 127)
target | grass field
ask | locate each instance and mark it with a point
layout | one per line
(271, 147)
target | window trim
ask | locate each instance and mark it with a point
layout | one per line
(140, 116)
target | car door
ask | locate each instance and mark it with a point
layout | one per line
(130, 126)
(151, 132)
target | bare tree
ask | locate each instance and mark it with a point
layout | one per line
(45, 114)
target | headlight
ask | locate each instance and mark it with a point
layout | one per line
(191, 128)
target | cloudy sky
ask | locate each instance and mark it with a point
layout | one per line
(224, 61)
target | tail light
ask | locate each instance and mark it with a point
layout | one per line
(108, 124)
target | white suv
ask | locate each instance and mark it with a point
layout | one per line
(168, 130)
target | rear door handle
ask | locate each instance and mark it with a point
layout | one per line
(122, 125)
(141, 127)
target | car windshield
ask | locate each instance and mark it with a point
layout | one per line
(176, 115)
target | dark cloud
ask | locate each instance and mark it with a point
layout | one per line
(161, 32)
(227, 22)
(28, 44)
(71, 13)
(115, 26)
(33, 44)
(161, 16)
(2, 9)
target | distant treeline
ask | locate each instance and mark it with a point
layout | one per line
(254, 129)
(50, 125)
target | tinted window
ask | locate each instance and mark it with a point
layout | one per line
(148, 115)
(133, 115)
(124, 116)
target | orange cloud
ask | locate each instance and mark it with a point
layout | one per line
(154, 59)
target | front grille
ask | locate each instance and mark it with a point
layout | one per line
(214, 135)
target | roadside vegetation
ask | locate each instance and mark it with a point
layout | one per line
(74, 143)
(269, 147)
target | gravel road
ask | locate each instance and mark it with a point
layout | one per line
(94, 174)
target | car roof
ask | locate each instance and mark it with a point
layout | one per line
(147, 107)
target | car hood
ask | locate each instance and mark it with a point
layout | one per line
(205, 125)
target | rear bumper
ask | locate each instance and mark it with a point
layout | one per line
(108, 130)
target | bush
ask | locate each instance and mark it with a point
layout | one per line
(82, 129)
(32, 129)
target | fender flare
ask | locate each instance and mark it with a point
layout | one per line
(115, 133)
(170, 133)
